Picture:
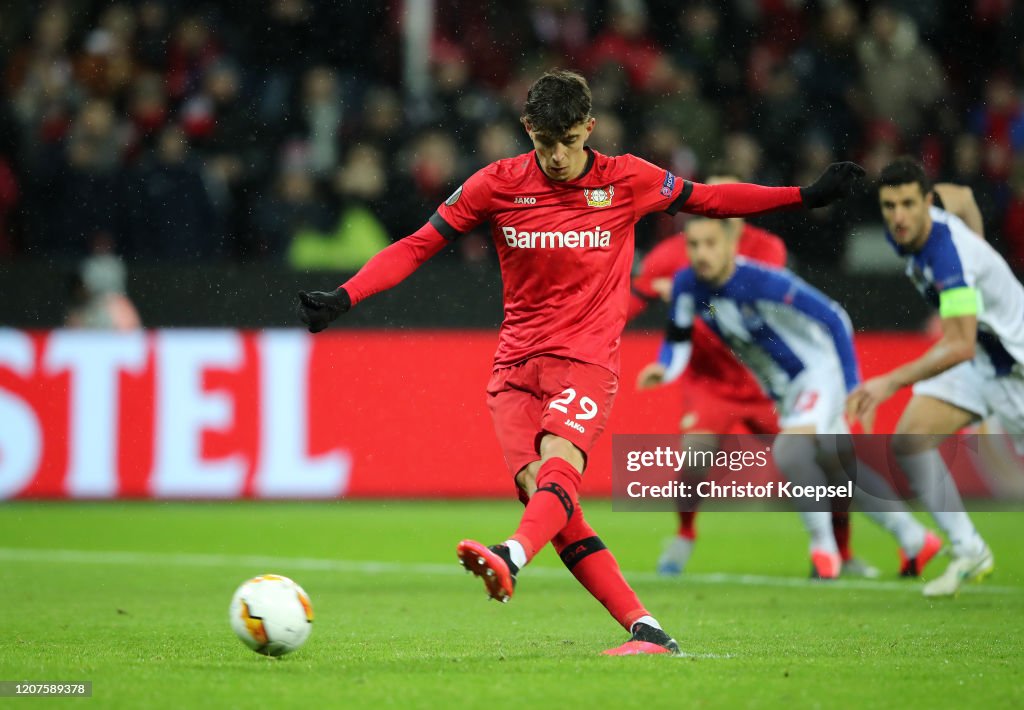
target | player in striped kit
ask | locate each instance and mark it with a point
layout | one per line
(799, 346)
(975, 370)
(719, 395)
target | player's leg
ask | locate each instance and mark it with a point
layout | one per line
(795, 455)
(678, 549)
(579, 401)
(588, 559)
(874, 496)
(939, 408)
(515, 402)
(705, 416)
(1005, 399)
(812, 405)
(550, 486)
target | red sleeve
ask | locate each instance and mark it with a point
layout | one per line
(392, 264)
(738, 199)
(467, 207)
(654, 188)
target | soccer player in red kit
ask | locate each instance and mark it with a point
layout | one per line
(720, 396)
(562, 220)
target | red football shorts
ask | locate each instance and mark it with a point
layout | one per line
(548, 395)
(704, 410)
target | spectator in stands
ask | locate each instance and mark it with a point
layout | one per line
(560, 28)
(779, 114)
(41, 82)
(381, 122)
(357, 232)
(192, 49)
(901, 76)
(967, 169)
(292, 209)
(672, 78)
(494, 141)
(699, 48)
(625, 42)
(106, 66)
(83, 179)
(147, 111)
(151, 33)
(168, 212)
(826, 67)
(322, 115)
(998, 120)
(432, 172)
(230, 143)
(280, 45)
(680, 104)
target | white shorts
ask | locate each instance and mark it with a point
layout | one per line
(817, 398)
(966, 386)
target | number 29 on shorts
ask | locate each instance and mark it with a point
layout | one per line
(567, 398)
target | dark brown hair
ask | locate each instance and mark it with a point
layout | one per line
(903, 171)
(556, 102)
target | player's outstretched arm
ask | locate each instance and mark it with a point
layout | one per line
(388, 268)
(741, 199)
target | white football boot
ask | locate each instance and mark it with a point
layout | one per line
(963, 568)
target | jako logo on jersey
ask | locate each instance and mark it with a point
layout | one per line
(524, 201)
(601, 197)
(575, 425)
(586, 239)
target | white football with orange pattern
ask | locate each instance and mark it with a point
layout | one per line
(271, 614)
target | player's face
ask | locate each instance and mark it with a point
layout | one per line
(562, 157)
(905, 211)
(712, 249)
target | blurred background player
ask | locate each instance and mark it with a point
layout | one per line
(975, 370)
(562, 219)
(98, 297)
(799, 345)
(719, 395)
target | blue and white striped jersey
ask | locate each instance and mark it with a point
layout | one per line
(954, 259)
(776, 324)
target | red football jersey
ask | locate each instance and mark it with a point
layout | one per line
(711, 364)
(565, 249)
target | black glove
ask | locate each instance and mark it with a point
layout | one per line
(835, 182)
(318, 308)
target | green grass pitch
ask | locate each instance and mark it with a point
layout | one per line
(134, 597)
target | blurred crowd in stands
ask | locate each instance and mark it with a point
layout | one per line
(282, 130)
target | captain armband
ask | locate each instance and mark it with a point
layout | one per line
(960, 301)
